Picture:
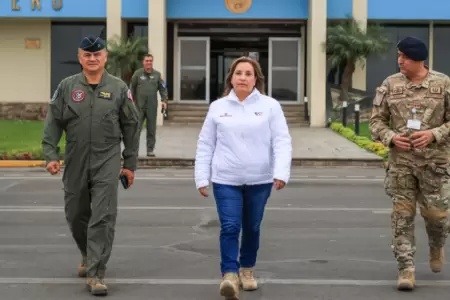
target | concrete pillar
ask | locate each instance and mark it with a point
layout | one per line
(115, 27)
(157, 41)
(316, 62)
(360, 10)
(431, 44)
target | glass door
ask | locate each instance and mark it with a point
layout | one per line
(193, 70)
(284, 69)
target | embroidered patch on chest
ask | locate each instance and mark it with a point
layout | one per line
(397, 90)
(78, 95)
(105, 95)
(435, 89)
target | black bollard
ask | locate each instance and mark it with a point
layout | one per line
(344, 113)
(306, 112)
(357, 119)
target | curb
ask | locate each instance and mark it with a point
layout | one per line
(21, 163)
(147, 163)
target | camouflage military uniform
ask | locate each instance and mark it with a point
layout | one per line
(417, 175)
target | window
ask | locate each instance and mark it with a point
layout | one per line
(284, 69)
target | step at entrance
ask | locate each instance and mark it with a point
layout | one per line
(185, 114)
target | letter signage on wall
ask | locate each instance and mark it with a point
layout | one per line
(53, 8)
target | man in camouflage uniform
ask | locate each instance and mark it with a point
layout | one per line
(410, 115)
(96, 111)
(145, 84)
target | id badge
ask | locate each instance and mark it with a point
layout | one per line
(413, 124)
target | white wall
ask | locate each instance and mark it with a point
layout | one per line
(25, 72)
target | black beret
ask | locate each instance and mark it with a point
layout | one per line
(92, 44)
(413, 48)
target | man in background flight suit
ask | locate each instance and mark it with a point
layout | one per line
(95, 110)
(411, 115)
(145, 84)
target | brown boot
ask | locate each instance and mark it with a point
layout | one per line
(406, 280)
(229, 288)
(248, 281)
(82, 267)
(96, 286)
(436, 259)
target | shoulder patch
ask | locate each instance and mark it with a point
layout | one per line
(55, 95)
(379, 96)
(130, 96)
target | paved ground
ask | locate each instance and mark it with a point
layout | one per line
(326, 236)
(181, 142)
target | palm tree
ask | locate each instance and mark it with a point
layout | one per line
(347, 44)
(125, 55)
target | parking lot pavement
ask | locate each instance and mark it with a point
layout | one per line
(325, 236)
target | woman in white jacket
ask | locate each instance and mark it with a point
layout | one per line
(244, 149)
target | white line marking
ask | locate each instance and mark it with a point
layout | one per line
(382, 211)
(38, 208)
(180, 178)
(209, 281)
(5, 188)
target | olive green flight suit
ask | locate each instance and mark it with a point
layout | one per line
(95, 120)
(144, 87)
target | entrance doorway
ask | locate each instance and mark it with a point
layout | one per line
(224, 50)
(206, 51)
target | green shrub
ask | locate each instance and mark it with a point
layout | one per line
(363, 142)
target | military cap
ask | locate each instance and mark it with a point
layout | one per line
(413, 48)
(92, 44)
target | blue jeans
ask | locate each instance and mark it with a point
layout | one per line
(240, 206)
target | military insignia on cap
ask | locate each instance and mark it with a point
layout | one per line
(78, 95)
(92, 44)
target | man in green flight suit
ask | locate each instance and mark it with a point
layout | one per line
(145, 84)
(96, 111)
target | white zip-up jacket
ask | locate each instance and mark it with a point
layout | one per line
(243, 143)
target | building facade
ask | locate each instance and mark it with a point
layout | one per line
(194, 42)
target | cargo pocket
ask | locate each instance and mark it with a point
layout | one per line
(391, 183)
(434, 178)
(111, 126)
(71, 120)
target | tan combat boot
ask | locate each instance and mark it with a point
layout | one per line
(82, 267)
(406, 279)
(96, 286)
(248, 282)
(436, 259)
(229, 288)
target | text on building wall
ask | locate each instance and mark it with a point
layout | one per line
(36, 4)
